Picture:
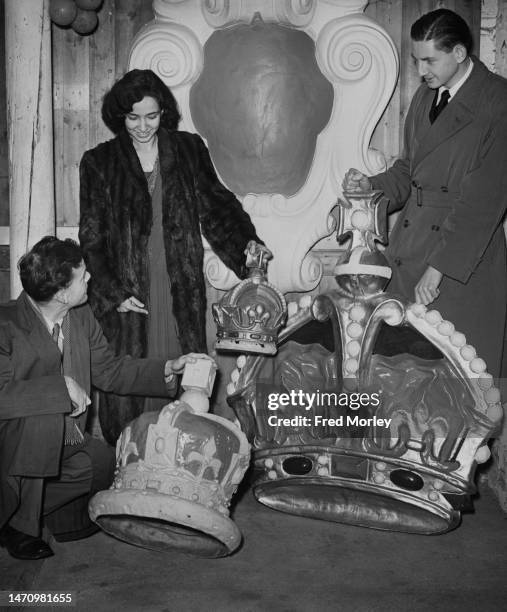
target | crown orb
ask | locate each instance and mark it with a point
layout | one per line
(361, 284)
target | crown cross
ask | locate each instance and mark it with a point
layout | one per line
(362, 217)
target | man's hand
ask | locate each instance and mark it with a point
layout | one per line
(176, 366)
(78, 396)
(132, 304)
(356, 181)
(426, 290)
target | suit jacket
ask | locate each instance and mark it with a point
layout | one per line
(452, 183)
(33, 393)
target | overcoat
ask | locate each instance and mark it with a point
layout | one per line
(452, 184)
(34, 396)
(115, 225)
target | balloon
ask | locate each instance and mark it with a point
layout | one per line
(62, 12)
(88, 5)
(85, 22)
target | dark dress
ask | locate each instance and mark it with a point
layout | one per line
(163, 340)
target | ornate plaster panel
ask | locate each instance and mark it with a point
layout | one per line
(357, 57)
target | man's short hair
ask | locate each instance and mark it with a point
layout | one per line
(445, 28)
(48, 267)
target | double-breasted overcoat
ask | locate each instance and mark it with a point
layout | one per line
(452, 184)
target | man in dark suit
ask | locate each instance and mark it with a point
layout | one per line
(51, 351)
(448, 246)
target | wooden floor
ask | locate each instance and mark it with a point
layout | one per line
(286, 564)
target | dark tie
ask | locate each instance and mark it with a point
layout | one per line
(73, 426)
(56, 332)
(436, 109)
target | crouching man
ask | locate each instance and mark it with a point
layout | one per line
(51, 351)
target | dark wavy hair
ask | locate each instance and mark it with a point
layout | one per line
(132, 88)
(446, 28)
(48, 267)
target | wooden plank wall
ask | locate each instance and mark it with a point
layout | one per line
(84, 67)
(4, 166)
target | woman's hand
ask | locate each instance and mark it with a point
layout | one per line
(253, 248)
(132, 304)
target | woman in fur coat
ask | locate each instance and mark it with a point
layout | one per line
(147, 197)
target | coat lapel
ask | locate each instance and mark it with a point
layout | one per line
(138, 202)
(38, 335)
(459, 113)
(168, 168)
(131, 161)
(80, 351)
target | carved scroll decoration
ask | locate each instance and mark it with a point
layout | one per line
(354, 53)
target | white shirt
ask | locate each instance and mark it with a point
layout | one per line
(454, 89)
(49, 324)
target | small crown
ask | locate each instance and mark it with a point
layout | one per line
(249, 316)
(175, 467)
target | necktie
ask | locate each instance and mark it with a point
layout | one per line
(436, 109)
(56, 333)
(73, 432)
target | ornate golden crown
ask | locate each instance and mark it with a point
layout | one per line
(344, 463)
(249, 316)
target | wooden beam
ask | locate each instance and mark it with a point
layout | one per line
(30, 126)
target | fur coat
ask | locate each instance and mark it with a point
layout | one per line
(115, 225)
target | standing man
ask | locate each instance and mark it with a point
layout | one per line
(52, 350)
(448, 247)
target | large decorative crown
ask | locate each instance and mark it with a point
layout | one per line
(378, 419)
(249, 316)
(176, 473)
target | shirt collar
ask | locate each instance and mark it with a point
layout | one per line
(49, 324)
(454, 89)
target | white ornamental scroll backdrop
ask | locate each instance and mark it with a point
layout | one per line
(353, 52)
